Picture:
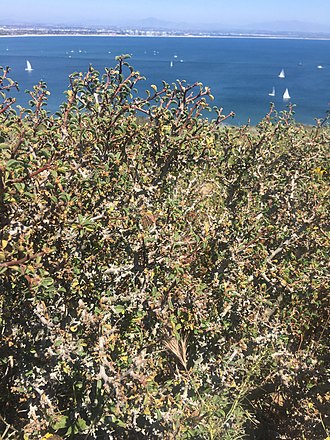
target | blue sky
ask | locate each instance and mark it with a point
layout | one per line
(230, 13)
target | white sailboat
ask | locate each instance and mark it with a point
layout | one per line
(28, 66)
(286, 94)
(281, 74)
(171, 64)
(272, 93)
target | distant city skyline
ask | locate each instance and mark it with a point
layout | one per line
(294, 14)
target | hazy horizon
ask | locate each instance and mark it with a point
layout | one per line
(298, 15)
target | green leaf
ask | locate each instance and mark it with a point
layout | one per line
(13, 164)
(120, 423)
(61, 422)
(65, 197)
(70, 431)
(81, 425)
(119, 309)
(47, 282)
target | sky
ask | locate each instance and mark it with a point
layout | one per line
(233, 13)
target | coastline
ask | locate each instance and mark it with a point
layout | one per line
(247, 36)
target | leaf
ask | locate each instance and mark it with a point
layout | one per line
(16, 268)
(65, 197)
(120, 423)
(81, 425)
(119, 309)
(45, 153)
(61, 422)
(69, 431)
(47, 282)
(13, 164)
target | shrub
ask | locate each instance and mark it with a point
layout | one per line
(162, 275)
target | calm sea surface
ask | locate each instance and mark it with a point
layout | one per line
(240, 72)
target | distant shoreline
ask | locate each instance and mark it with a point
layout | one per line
(247, 36)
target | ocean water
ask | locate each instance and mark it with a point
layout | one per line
(241, 72)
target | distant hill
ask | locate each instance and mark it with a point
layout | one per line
(290, 26)
(271, 26)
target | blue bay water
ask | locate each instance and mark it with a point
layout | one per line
(240, 71)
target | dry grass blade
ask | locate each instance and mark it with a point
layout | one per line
(178, 347)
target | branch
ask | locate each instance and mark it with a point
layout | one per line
(23, 260)
(35, 173)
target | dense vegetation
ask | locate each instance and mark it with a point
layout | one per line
(161, 275)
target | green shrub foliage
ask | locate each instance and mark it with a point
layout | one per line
(161, 275)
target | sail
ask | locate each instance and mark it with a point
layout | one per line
(171, 64)
(272, 93)
(28, 66)
(286, 94)
(281, 74)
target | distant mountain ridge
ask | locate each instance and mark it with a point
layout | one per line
(271, 26)
(290, 26)
(293, 27)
